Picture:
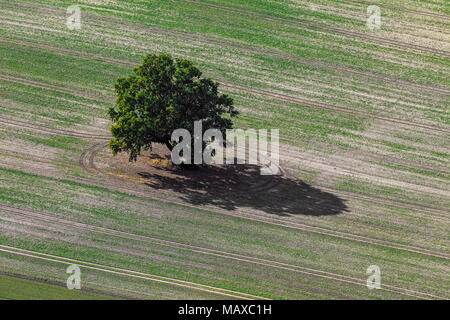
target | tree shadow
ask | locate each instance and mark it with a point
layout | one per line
(241, 185)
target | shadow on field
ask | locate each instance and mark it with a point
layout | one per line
(237, 186)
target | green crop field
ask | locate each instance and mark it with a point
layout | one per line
(23, 289)
(364, 123)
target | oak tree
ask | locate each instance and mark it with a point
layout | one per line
(163, 95)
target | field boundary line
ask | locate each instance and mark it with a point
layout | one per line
(131, 273)
(59, 284)
(215, 252)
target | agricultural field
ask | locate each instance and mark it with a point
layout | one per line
(364, 123)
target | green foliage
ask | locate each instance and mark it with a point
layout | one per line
(162, 96)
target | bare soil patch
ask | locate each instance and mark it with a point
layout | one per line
(226, 186)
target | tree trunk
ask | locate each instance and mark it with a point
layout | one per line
(169, 146)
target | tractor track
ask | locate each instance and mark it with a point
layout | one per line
(48, 129)
(91, 166)
(271, 53)
(47, 86)
(267, 93)
(442, 214)
(130, 273)
(92, 169)
(331, 30)
(351, 171)
(419, 12)
(326, 106)
(87, 135)
(263, 92)
(59, 284)
(259, 187)
(87, 160)
(213, 252)
(42, 128)
(250, 215)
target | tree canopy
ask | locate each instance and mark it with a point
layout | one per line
(164, 95)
